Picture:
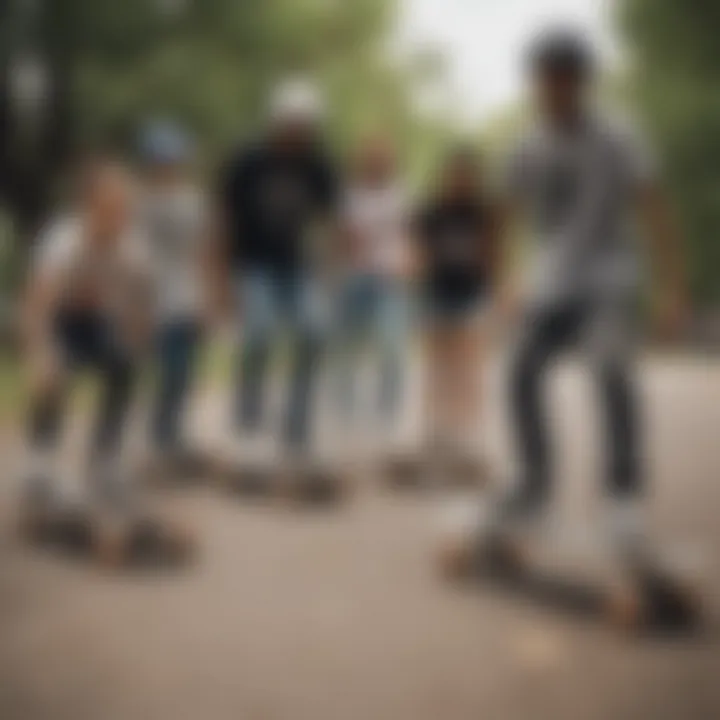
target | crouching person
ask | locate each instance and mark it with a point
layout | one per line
(86, 309)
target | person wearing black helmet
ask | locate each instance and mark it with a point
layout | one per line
(577, 178)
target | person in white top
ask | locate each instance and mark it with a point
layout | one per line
(87, 306)
(374, 269)
(174, 220)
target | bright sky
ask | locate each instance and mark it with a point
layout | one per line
(483, 42)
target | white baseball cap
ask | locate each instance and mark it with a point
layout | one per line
(297, 99)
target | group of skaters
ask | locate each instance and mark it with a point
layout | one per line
(286, 245)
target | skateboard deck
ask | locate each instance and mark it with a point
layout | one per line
(183, 467)
(405, 471)
(425, 470)
(316, 483)
(141, 540)
(658, 591)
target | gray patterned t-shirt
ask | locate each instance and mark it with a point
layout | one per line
(576, 191)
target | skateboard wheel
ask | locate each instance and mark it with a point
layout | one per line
(468, 474)
(160, 540)
(455, 558)
(180, 541)
(111, 546)
(29, 525)
(625, 609)
(672, 603)
(318, 486)
(404, 472)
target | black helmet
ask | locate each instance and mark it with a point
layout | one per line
(561, 50)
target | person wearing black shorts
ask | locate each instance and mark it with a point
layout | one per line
(456, 242)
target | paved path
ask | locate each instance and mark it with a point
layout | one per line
(295, 615)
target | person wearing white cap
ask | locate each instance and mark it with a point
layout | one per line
(276, 193)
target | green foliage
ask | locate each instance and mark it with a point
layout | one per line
(211, 62)
(676, 84)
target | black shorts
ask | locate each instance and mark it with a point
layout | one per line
(87, 339)
(455, 308)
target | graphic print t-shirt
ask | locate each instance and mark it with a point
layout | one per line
(377, 218)
(272, 200)
(576, 190)
(454, 240)
(175, 222)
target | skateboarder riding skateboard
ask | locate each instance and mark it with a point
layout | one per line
(277, 196)
(87, 308)
(577, 179)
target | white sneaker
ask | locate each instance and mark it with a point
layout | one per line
(109, 486)
(39, 487)
(37, 471)
(252, 449)
(625, 525)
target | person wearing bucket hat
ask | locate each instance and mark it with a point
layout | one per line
(173, 216)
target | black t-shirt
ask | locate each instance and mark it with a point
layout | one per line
(454, 240)
(271, 198)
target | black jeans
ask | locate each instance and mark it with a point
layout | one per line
(88, 342)
(546, 334)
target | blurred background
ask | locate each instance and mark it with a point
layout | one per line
(342, 619)
(79, 74)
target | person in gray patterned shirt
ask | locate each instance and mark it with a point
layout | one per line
(578, 179)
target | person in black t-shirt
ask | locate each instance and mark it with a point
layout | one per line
(455, 232)
(275, 197)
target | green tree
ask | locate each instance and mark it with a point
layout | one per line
(675, 82)
(209, 63)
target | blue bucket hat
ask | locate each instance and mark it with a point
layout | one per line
(165, 143)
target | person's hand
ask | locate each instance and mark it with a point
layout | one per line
(45, 368)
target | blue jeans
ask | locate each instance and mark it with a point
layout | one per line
(375, 308)
(177, 344)
(273, 303)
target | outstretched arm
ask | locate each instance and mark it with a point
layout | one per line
(37, 315)
(670, 295)
(215, 263)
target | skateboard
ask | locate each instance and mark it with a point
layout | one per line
(313, 483)
(656, 590)
(114, 541)
(184, 466)
(406, 471)
(431, 469)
